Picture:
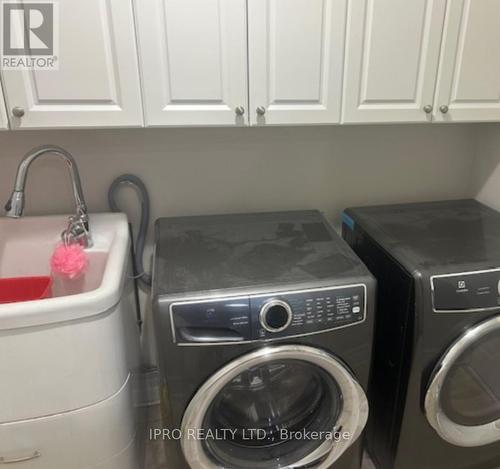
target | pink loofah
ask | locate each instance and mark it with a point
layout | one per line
(69, 261)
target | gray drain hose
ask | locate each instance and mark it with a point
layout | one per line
(140, 243)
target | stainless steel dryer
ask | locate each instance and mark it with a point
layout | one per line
(264, 333)
(435, 387)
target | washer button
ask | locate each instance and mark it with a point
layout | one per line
(356, 309)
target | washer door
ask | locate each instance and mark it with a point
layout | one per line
(285, 406)
(463, 399)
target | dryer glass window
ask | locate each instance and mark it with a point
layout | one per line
(262, 412)
(470, 394)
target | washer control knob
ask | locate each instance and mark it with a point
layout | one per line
(275, 315)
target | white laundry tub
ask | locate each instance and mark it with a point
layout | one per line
(67, 359)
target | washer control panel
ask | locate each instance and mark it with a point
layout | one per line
(265, 317)
(466, 291)
(307, 312)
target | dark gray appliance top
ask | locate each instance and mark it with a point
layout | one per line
(433, 236)
(224, 252)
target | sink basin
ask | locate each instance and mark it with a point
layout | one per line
(67, 362)
(26, 246)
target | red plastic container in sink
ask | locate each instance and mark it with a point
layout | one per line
(15, 290)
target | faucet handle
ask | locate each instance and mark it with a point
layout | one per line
(77, 231)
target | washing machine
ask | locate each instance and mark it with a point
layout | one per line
(435, 386)
(264, 332)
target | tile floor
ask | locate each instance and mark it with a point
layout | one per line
(154, 457)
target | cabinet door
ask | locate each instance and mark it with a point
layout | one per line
(97, 81)
(469, 76)
(296, 54)
(392, 59)
(193, 56)
(3, 113)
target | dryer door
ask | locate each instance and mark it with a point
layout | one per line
(463, 399)
(284, 406)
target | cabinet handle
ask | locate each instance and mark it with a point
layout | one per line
(240, 110)
(444, 108)
(261, 110)
(18, 111)
(428, 109)
(34, 455)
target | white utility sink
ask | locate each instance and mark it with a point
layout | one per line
(26, 246)
(66, 362)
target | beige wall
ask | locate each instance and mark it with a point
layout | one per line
(487, 171)
(192, 171)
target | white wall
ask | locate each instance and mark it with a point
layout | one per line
(487, 171)
(192, 171)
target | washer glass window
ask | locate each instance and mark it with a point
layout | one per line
(264, 407)
(281, 406)
(462, 402)
(470, 393)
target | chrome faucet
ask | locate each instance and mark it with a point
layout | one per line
(78, 225)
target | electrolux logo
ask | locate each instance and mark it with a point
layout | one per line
(30, 35)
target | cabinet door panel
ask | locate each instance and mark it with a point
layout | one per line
(296, 51)
(97, 82)
(392, 59)
(3, 113)
(469, 74)
(193, 57)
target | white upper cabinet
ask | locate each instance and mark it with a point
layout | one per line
(468, 86)
(261, 62)
(3, 113)
(97, 81)
(194, 61)
(296, 54)
(392, 55)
